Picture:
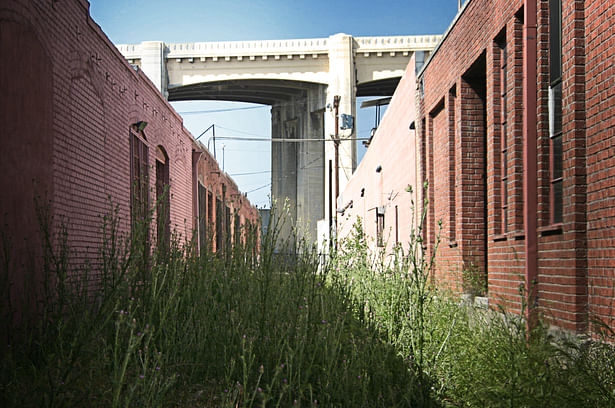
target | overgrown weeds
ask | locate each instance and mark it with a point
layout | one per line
(241, 328)
(159, 327)
(463, 356)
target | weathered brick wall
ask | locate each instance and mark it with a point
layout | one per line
(562, 249)
(69, 99)
(600, 138)
(97, 95)
(465, 66)
(566, 258)
(222, 187)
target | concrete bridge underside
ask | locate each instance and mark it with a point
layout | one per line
(298, 79)
(297, 112)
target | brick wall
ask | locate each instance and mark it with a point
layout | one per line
(575, 256)
(463, 75)
(68, 102)
(600, 147)
(220, 186)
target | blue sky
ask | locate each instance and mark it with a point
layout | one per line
(192, 20)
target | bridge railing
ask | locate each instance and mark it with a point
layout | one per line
(248, 48)
(396, 43)
(313, 46)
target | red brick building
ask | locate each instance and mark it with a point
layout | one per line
(516, 123)
(83, 130)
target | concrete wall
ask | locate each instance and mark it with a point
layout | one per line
(393, 150)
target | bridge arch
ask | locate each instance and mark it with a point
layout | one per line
(299, 79)
(262, 91)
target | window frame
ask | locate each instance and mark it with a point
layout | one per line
(556, 179)
(139, 176)
(504, 131)
(380, 227)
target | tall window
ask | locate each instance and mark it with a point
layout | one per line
(139, 188)
(380, 226)
(219, 225)
(237, 230)
(210, 208)
(452, 130)
(504, 148)
(396, 226)
(163, 213)
(202, 216)
(555, 112)
(227, 227)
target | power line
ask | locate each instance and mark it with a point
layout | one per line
(259, 188)
(297, 102)
(280, 140)
(250, 173)
(260, 138)
(222, 110)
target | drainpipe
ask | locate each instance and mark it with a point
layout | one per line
(530, 191)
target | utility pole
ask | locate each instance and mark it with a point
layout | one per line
(336, 143)
(213, 130)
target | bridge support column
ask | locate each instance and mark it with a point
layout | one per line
(297, 167)
(153, 64)
(342, 82)
(284, 168)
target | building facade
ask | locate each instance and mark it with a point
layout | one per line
(515, 136)
(376, 194)
(516, 129)
(83, 132)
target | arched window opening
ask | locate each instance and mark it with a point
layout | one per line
(163, 213)
(139, 176)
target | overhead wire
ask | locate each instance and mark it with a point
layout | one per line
(250, 173)
(222, 110)
(259, 188)
(295, 103)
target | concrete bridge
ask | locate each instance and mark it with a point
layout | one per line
(299, 80)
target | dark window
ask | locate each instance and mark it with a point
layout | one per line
(227, 225)
(237, 230)
(210, 208)
(555, 112)
(139, 188)
(396, 225)
(163, 213)
(219, 225)
(203, 217)
(380, 226)
(504, 147)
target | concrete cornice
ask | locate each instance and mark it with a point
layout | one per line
(311, 47)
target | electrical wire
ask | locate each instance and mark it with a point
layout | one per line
(259, 188)
(284, 140)
(296, 102)
(261, 138)
(250, 173)
(222, 110)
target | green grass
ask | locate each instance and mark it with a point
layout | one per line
(244, 330)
